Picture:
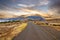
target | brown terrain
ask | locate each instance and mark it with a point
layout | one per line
(31, 30)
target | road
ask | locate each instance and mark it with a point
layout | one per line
(36, 32)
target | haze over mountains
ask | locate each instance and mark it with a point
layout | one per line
(7, 15)
(25, 12)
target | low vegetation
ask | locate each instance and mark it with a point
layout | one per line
(10, 29)
(54, 25)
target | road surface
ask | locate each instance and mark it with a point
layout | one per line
(36, 32)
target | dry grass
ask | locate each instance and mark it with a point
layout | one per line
(41, 23)
(10, 30)
(52, 20)
(55, 26)
(6, 27)
(51, 24)
(56, 22)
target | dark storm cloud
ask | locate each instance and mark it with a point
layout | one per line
(55, 6)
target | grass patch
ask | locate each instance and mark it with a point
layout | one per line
(14, 32)
(53, 25)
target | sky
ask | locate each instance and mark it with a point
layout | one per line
(44, 5)
(37, 4)
(54, 7)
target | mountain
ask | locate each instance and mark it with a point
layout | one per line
(12, 19)
(36, 18)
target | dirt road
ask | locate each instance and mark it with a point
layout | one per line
(35, 32)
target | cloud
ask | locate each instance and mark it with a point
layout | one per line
(24, 5)
(55, 7)
(44, 3)
(33, 5)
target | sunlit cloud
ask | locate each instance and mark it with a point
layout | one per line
(14, 8)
